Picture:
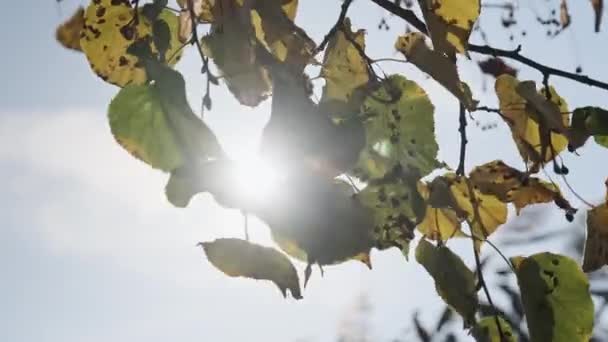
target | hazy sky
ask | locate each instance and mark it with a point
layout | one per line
(90, 250)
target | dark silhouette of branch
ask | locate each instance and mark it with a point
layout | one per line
(411, 18)
(339, 23)
(462, 124)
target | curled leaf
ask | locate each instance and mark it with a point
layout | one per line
(587, 122)
(598, 9)
(437, 65)
(239, 258)
(68, 33)
(596, 244)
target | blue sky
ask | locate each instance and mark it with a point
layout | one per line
(92, 251)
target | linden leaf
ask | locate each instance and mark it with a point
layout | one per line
(535, 141)
(400, 129)
(587, 122)
(556, 298)
(68, 33)
(484, 213)
(109, 31)
(437, 65)
(450, 23)
(596, 244)
(439, 224)
(396, 205)
(454, 281)
(345, 72)
(239, 258)
(230, 44)
(155, 124)
(486, 330)
(511, 185)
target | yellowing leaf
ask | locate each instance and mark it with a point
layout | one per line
(437, 65)
(231, 46)
(598, 9)
(535, 142)
(450, 23)
(239, 258)
(439, 224)
(511, 185)
(484, 213)
(486, 330)
(156, 125)
(391, 134)
(345, 72)
(110, 30)
(556, 298)
(454, 281)
(203, 9)
(68, 33)
(596, 245)
(587, 122)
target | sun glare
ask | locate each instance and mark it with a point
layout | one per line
(257, 179)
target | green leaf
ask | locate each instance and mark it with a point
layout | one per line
(454, 281)
(345, 72)
(586, 122)
(486, 330)
(108, 33)
(556, 298)
(239, 258)
(399, 128)
(155, 123)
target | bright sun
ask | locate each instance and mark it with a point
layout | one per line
(256, 179)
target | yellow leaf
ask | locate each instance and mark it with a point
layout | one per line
(511, 185)
(239, 258)
(436, 64)
(203, 9)
(68, 33)
(110, 30)
(439, 224)
(450, 23)
(345, 72)
(536, 143)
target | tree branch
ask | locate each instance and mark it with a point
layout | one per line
(411, 18)
(462, 124)
(345, 5)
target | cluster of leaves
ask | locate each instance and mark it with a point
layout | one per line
(379, 130)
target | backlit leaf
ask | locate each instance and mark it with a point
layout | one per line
(511, 185)
(345, 73)
(239, 258)
(437, 65)
(110, 29)
(156, 125)
(68, 33)
(439, 224)
(486, 330)
(450, 23)
(535, 142)
(454, 281)
(556, 298)
(587, 122)
(400, 129)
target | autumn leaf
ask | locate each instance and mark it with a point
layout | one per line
(495, 66)
(345, 72)
(596, 244)
(437, 65)
(536, 143)
(203, 9)
(454, 281)
(587, 122)
(439, 224)
(109, 31)
(486, 330)
(450, 23)
(598, 9)
(68, 33)
(239, 258)
(556, 298)
(513, 186)
(392, 137)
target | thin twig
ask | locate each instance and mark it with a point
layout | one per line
(334, 29)
(462, 124)
(411, 18)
